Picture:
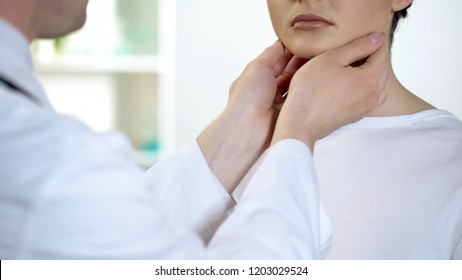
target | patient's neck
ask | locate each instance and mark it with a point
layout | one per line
(400, 101)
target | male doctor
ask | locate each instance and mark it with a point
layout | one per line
(67, 192)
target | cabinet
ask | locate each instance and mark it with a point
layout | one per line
(117, 72)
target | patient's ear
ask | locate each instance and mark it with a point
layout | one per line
(398, 5)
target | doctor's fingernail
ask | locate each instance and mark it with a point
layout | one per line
(375, 38)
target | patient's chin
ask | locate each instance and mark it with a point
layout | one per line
(303, 52)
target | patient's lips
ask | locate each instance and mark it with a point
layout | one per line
(309, 22)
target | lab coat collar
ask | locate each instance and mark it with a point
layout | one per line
(16, 63)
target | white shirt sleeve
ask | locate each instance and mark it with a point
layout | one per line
(188, 191)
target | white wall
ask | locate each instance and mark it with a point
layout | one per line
(428, 53)
(216, 39)
(214, 42)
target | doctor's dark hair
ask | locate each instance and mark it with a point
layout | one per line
(396, 17)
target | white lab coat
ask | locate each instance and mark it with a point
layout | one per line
(67, 192)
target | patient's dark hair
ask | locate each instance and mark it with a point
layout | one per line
(396, 17)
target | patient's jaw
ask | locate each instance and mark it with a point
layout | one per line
(309, 28)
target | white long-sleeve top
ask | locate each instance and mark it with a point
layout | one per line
(397, 189)
(67, 192)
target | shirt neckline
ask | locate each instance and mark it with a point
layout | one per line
(388, 121)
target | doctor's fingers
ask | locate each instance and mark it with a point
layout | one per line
(356, 50)
(375, 71)
(276, 57)
(377, 63)
(273, 59)
(373, 74)
(289, 71)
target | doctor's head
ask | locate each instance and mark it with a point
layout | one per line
(44, 18)
(311, 27)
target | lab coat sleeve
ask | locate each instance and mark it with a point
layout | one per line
(80, 196)
(279, 215)
(188, 191)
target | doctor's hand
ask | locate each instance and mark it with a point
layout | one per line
(243, 131)
(328, 93)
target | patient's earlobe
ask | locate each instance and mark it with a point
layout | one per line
(399, 5)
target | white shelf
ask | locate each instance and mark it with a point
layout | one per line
(101, 75)
(103, 65)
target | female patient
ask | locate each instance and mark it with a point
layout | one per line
(391, 183)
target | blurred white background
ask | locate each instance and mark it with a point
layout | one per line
(203, 45)
(427, 53)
